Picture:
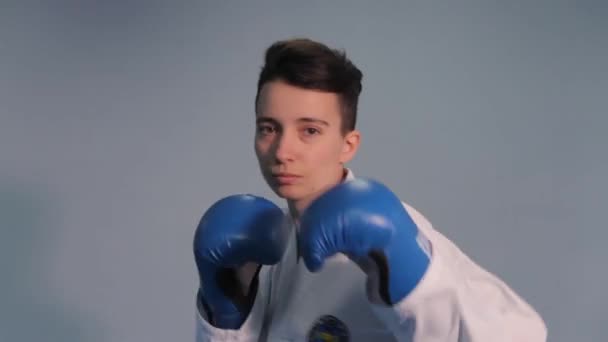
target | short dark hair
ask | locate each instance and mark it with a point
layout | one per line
(309, 64)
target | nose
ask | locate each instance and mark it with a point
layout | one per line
(284, 148)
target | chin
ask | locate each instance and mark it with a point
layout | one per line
(290, 193)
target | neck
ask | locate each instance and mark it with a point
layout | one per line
(297, 207)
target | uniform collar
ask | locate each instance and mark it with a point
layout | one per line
(349, 175)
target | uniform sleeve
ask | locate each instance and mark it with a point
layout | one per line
(458, 301)
(251, 328)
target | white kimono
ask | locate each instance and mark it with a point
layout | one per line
(455, 301)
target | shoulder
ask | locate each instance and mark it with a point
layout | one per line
(416, 215)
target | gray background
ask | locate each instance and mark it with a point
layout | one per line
(121, 121)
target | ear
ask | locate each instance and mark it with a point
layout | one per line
(350, 146)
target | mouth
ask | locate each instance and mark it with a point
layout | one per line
(284, 178)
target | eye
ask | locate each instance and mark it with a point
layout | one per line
(266, 129)
(311, 131)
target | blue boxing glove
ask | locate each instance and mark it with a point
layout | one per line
(363, 219)
(235, 234)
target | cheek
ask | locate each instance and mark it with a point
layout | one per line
(261, 150)
(329, 155)
(323, 162)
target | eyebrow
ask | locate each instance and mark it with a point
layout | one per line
(264, 119)
(313, 120)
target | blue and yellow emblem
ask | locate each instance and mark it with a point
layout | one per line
(328, 329)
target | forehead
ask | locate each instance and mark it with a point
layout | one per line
(284, 101)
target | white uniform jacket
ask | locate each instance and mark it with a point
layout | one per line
(455, 301)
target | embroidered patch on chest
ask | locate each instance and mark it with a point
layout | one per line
(328, 329)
